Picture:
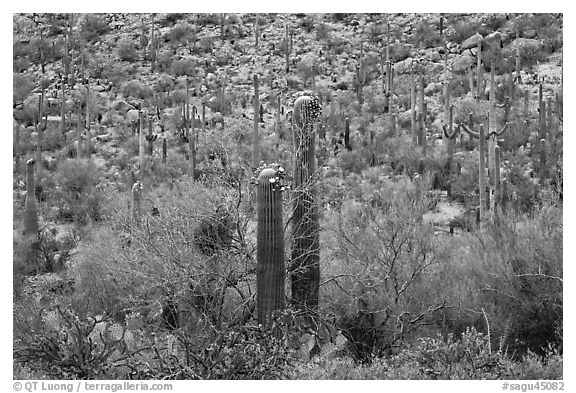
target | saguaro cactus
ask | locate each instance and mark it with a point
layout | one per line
(543, 164)
(255, 134)
(479, 89)
(150, 138)
(482, 171)
(137, 200)
(192, 144)
(305, 266)
(79, 134)
(422, 114)
(287, 48)
(31, 215)
(497, 184)
(518, 77)
(164, 151)
(269, 245)
(412, 101)
(449, 136)
(141, 139)
(347, 134)
(16, 148)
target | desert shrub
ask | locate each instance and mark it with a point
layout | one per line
(93, 27)
(136, 89)
(184, 67)
(323, 31)
(425, 36)
(307, 23)
(465, 181)
(76, 196)
(379, 255)
(460, 31)
(127, 51)
(467, 357)
(23, 84)
(177, 35)
(161, 262)
(514, 282)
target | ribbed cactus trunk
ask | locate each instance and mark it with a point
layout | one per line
(150, 138)
(88, 108)
(62, 110)
(542, 131)
(39, 132)
(479, 71)
(450, 138)
(543, 163)
(79, 135)
(278, 118)
(518, 77)
(391, 107)
(497, 184)
(257, 29)
(422, 114)
(446, 90)
(347, 134)
(412, 103)
(492, 132)
(31, 227)
(16, 148)
(192, 144)
(255, 134)
(504, 197)
(141, 141)
(482, 172)
(137, 201)
(269, 247)
(471, 80)
(305, 266)
(526, 110)
(164, 151)
(287, 49)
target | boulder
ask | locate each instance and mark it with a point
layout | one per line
(462, 63)
(472, 42)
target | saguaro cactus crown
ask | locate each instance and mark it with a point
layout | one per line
(269, 244)
(305, 267)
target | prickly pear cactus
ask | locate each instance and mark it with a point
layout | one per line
(269, 244)
(305, 264)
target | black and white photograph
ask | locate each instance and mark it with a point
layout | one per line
(287, 196)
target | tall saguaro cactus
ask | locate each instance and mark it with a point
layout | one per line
(141, 139)
(255, 135)
(497, 196)
(412, 102)
(192, 144)
(481, 136)
(422, 114)
(482, 171)
(305, 266)
(31, 215)
(479, 89)
(518, 77)
(269, 245)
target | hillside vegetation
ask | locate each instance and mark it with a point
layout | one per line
(304, 196)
